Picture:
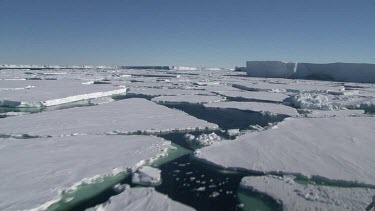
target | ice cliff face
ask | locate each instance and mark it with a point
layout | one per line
(348, 72)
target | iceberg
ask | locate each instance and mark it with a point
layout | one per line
(345, 72)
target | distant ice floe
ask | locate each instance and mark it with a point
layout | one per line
(249, 95)
(167, 92)
(293, 86)
(267, 108)
(130, 116)
(141, 199)
(52, 93)
(348, 72)
(35, 171)
(331, 148)
(309, 197)
(195, 99)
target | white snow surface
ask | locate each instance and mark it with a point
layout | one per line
(309, 197)
(141, 199)
(270, 108)
(125, 116)
(332, 148)
(35, 170)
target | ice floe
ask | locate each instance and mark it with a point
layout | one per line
(249, 95)
(51, 93)
(197, 99)
(332, 148)
(269, 108)
(146, 175)
(126, 117)
(35, 171)
(295, 197)
(140, 199)
(203, 139)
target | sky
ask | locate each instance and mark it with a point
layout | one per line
(213, 33)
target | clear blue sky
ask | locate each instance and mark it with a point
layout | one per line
(189, 32)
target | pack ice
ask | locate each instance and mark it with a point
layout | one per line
(35, 171)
